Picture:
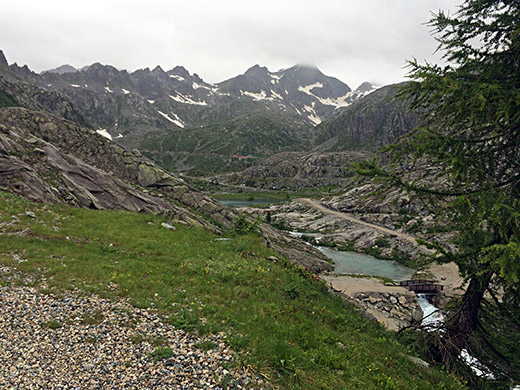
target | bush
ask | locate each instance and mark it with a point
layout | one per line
(243, 225)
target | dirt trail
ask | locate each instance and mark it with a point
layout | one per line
(351, 218)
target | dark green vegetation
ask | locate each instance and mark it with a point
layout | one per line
(283, 321)
(473, 135)
(211, 149)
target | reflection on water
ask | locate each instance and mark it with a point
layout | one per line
(243, 202)
(357, 263)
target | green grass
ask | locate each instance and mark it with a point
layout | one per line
(52, 324)
(283, 322)
(161, 353)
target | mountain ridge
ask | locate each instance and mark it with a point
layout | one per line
(186, 124)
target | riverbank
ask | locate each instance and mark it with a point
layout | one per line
(352, 286)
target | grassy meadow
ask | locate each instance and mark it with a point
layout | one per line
(280, 318)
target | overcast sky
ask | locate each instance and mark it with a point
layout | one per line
(353, 40)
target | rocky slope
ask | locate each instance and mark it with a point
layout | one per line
(78, 353)
(298, 170)
(377, 120)
(48, 159)
(21, 94)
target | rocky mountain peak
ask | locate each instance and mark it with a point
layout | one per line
(62, 69)
(100, 69)
(197, 78)
(3, 60)
(158, 70)
(103, 74)
(257, 71)
(304, 71)
(305, 67)
(365, 87)
(179, 71)
(22, 71)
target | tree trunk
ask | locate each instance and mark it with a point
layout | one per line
(467, 318)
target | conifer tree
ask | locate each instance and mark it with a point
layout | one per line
(471, 132)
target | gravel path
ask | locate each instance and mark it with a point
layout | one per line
(86, 342)
(352, 218)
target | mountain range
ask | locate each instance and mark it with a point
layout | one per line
(185, 124)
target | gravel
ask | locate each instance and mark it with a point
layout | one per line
(87, 342)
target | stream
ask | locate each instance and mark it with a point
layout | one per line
(433, 316)
(356, 263)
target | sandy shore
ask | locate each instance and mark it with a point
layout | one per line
(446, 274)
(349, 285)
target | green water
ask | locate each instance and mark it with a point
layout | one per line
(357, 263)
(243, 202)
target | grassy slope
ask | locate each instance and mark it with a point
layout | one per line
(284, 321)
(208, 150)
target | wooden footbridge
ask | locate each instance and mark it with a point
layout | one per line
(422, 286)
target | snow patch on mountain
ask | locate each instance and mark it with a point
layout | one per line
(151, 101)
(257, 96)
(307, 89)
(296, 109)
(175, 120)
(277, 96)
(104, 133)
(108, 90)
(198, 86)
(75, 85)
(125, 92)
(177, 77)
(341, 101)
(187, 100)
(314, 118)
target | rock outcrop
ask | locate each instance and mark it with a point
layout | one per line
(395, 310)
(297, 170)
(369, 123)
(47, 159)
(340, 232)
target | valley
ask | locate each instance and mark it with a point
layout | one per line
(262, 222)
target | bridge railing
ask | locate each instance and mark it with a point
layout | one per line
(422, 286)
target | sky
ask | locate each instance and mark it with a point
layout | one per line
(352, 40)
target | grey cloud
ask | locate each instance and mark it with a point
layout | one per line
(351, 40)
